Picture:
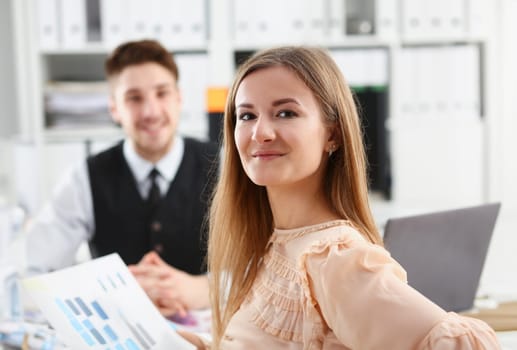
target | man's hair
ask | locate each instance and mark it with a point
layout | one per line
(139, 52)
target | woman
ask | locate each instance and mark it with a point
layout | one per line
(295, 259)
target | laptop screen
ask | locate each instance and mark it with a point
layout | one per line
(444, 252)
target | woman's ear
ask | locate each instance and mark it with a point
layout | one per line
(332, 144)
(332, 141)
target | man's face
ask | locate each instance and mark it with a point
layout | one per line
(146, 102)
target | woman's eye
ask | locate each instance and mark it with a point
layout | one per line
(246, 116)
(286, 114)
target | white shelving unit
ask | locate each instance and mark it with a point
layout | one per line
(400, 28)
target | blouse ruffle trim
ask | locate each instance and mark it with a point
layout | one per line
(293, 318)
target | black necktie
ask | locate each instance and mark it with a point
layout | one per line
(154, 191)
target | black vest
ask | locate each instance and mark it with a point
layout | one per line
(176, 230)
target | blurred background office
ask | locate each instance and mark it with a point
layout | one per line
(435, 80)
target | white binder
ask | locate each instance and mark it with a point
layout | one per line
(476, 18)
(243, 25)
(73, 24)
(427, 83)
(336, 20)
(443, 93)
(195, 23)
(315, 21)
(268, 28)
(160, 18)
(167, 18)
(138, 15)
(415, 20)
(447, 18)
(48, 25)
(353, 65)
(465, 80)
(405, 81)
(386, 19)
(292, 21)
(113, 22)
(375, 63)
(193, 84)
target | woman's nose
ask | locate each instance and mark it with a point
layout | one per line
(263, 130)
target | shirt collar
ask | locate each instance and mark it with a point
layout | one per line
(167, 166)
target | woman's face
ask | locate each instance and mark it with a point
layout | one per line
(280, 134)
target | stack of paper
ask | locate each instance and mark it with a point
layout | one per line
(99, 305)
(77, 103)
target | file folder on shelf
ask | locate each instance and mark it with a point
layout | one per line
(48, 24)
(336, 16)
(195, 23)
(138, 18)
(414, 19)
(73, 24)
(194, 69)
(113, 22)
(316, 21)
(386, 19)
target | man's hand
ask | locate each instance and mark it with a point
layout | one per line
(171, 290)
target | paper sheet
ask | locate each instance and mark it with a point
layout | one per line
(99, 305)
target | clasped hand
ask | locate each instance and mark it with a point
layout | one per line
(174, 292)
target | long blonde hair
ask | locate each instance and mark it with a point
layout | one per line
(240, 219)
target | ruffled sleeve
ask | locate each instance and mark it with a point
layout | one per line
(459, 332)
(363, 297)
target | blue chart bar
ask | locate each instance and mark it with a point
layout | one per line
(64, 308)
(98, 336)
(87, 338)
(102, 285)
(94, 332)
(72, 306)
(136, 333)
(138, 337)
(131, 345)
(75, 323)
(146, 335)
(99, 310)
(121, 278)
(110, 333)
(77, 326)
(112, 282)
(90, 321)
(83, 306)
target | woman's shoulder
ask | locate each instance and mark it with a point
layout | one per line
(297, 242)
(336, 230)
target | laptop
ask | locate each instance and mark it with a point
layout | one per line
(444, 252)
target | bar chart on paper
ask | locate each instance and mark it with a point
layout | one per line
(99, 305)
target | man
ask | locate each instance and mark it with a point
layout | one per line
(147, 193)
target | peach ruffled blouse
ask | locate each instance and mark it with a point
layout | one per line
(325, 287)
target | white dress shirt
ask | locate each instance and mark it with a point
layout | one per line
(67, 219)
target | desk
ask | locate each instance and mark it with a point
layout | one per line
(503, 319)
(508, 340)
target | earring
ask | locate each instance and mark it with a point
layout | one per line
(332, 148)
